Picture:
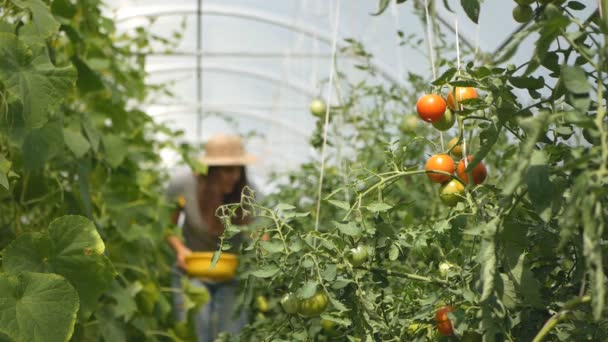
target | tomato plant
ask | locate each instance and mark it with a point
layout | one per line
(358, 255)
(526, 250)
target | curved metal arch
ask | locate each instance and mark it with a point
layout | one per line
(247, 13)
(247, 113)
(297, 86)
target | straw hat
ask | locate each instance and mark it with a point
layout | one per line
(226, 150)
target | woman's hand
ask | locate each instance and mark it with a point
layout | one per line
(180, 255)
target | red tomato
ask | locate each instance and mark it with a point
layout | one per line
(431, 107)
(479, 172)
(444, 325)
(439, 162)
(460, 94)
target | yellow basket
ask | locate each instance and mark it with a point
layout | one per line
(198, 264)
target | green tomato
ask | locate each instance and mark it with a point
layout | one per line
(290, 303)
(451, 192)
(446, 122)
(314, 305)
(471, 336)
(525, 2)
(523, 14)
(329, 327)
(318, 107)
(261, 304)
(408, 124)
(358, 255)
(445, 267)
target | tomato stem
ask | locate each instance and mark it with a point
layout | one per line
(405, 275)
(552, 322)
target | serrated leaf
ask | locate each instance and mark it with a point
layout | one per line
(471, 8)
(340, 204)
(88, 80)
(378, 207)
(308, 290)
(525, 282)
(76, 142)
(284, 207)
(266, 271)
(487, 258)
(350, 228)
(575, 79)
(329, 273)
(71, 247)
(37, 307)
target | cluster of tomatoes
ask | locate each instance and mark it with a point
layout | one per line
(440, 167)
(308, 307)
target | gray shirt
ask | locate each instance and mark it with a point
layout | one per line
(195, 229)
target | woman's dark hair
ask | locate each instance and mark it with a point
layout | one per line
(235, 195)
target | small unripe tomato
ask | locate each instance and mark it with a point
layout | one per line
(314, 305)
(261, 304)
(357, 256)
(451, 192)
(290, 303)
(318, 107)
(446, 122)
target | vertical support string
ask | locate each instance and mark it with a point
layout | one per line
(328, 101)
(431, 37)
(464, 139)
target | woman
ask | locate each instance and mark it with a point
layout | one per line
(203, 194)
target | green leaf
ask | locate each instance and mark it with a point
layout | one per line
(29, 74)
(71, 247)
(378, 206)
(471, 8)
(37, 307)
(266, 271)
(575, 79)
(507, 292)
(340, 204)
(44, 24)
(272, 246)
(42, 144)
(540, 188)
(88, 79)
(350, 228)
(63, 8)
(308, 290)
(284, 207)
(5, 168)
(527, 82)
(382, 6)
(445, 77)
(116, 149)
(76, 142)
(329, 273)
(525, 282)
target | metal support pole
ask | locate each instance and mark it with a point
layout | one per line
(199, 69)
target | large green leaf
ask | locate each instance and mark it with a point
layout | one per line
(43, 24)
(575, 79)
(29, 74)
(76, 142)
(540, 188)
(36, 307)
(116, 149)
(42, 144)
(70, 247)
(471, 8)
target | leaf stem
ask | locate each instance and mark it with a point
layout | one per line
(406, 275)
(552, 322)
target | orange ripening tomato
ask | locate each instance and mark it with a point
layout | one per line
(479, 171)
(444, 325)
(439, 162)
(460, 94)
(431, 107)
